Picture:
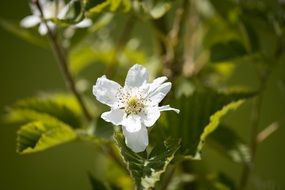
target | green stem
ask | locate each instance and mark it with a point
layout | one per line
(248, 167)
(63, 65)
(255, 120)
(70, 82)
(169, 40)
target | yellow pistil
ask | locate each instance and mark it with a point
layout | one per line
(134, 105)
(133, 101)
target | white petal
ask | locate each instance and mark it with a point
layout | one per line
(43, 29)
(168, 108)
(136, 141)
(132, 123)
(114, 116)
(137, 76)
(68, 32)
(159, 93)
(106, 90)
(49, 10)
(84, 23)
(51, 25)
(35, 9)
(43, 2)
(62, 13)
(150, 116)
(156, 83)
(30, 21)
(142, 91)
(61, 4)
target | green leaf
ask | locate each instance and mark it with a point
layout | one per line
(230, 144)
(113, 5)
(74, 14)
(102, 129)
(85, 55)
(224, 7)
(252, 36)
(227, 51)
(97, 184)
(38, 136)
(99, 8)
(160, 9)
(24, 116)
(217, 181)
(101, 185)
(25, 34)
(61, 107)
(200, 115)
(81, 57)
(102, 21)
(146, 171)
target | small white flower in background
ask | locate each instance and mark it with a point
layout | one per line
(51, 9)
(134, 106)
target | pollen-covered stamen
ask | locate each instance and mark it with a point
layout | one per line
(134, 105)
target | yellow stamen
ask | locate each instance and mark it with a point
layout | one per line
(133, 101)
(133, 105)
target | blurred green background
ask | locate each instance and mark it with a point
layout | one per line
(26, 70)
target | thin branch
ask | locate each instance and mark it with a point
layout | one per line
(172, 39)
(192, 64)
(256, 110)
(255, 120)
(264, 134)
(63, 64)
(256, 137)
(70, 82)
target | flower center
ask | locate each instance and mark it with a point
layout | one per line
(134, 105)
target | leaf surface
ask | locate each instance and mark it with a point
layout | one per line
(230, 144)
(38, 136)
(200, 115)
(146, 171)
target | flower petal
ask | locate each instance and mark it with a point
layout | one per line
(137, 76)
(114, 116)
(35, 9)
(30, 21)
(84, 23)
(106, 90)
(132, 123)
(136, 141)
(168, 108)
(63, 12)
(156, 83)
(43, 29)
(150, 116)
(158, 95)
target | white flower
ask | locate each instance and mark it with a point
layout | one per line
(134, 106)
(51, 9)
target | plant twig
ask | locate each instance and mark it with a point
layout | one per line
(264, 134)
(171, 40)
(253, 145)
(70, 82)
(63, 64)
(255, 119)
(257, 137)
